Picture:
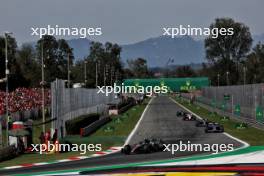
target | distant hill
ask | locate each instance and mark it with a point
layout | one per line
(157, 51)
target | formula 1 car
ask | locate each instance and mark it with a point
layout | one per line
(180, 113)
(213, 127)
(146, 146)
(189, 117)
(201, 123)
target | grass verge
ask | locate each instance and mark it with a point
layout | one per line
(113, 133)
(31, 158)
(251, 135)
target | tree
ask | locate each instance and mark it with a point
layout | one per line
(185, 71)
(138, 67)
(78, 71)
(15, 78)
(227, 51)
(254, 65)
(30, 69)
(55, 54)
(128, 73)
(108, 62)
(64, 55)
(232, 47)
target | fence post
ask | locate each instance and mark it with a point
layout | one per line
(255, 107)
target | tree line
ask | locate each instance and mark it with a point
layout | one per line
(229, 60)
(103, 66)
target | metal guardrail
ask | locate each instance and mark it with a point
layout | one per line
(94, 126)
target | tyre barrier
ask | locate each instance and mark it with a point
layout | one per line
(125, 108)
(8, 153)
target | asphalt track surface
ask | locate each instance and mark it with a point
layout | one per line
(159, 121)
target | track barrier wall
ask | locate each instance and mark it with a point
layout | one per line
(244, 102)
(69, 103)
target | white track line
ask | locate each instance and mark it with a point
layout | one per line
(62, 173)
(13, 167)
(245, 144)
(254, 157)
(139, 121)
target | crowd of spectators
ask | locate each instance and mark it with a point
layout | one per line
(24, 99)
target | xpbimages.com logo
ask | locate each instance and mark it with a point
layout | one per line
(49, 147)
(116, 89)
(56, 30)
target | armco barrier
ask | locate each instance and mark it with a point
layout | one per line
(94, 126)
(125, 108)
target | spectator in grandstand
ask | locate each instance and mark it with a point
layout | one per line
(23, 99)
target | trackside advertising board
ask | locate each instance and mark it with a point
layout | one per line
(174, 84)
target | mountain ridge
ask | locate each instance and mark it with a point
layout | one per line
(156, 50)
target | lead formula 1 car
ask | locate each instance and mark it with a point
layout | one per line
(146, 146)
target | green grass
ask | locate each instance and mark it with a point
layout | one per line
(119, 128)
(108, 139)
(251, 135)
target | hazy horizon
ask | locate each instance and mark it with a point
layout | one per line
(124, 21)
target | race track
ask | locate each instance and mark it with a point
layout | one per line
(159, 121)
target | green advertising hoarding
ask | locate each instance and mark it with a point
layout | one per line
(259, 114)
(174, 84)
(237, 110)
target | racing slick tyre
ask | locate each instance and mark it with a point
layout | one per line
(146, 149)
(126, 150)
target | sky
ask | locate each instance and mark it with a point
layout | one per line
(124, 21)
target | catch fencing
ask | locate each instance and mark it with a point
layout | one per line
(243, 101)
(69, 103)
